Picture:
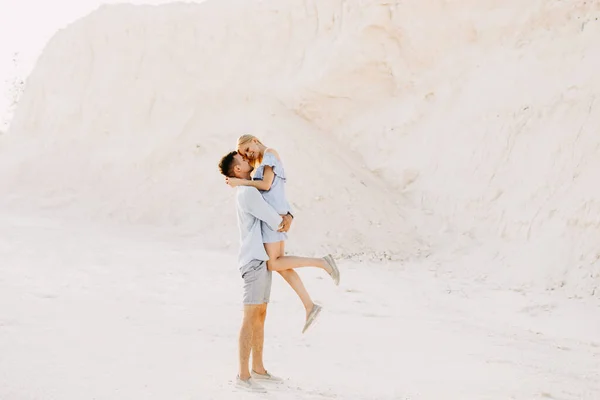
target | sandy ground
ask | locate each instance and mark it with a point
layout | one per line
(105, 313)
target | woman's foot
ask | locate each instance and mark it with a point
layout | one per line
(333, 271)
(309, 309)
(312, 316)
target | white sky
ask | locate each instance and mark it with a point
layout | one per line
(27, 25)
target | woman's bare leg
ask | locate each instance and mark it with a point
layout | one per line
(283, 263)
(293, 279)
(276, 250)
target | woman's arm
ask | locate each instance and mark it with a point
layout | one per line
(264, 184)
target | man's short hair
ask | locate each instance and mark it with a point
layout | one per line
(227, 163)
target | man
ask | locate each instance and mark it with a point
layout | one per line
(251, 210)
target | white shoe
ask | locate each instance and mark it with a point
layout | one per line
(265, 377)
(312, 316)
(335, 272)
(249, 385)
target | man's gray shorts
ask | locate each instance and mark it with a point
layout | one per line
(257, 282)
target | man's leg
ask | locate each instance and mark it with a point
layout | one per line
(252, 314)
(258, 340)
(259, 371)
(257, 289)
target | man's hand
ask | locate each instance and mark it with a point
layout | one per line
(286, 223)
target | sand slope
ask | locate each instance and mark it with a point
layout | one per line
(463, 131)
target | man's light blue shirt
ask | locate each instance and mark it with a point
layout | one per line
(251, 210)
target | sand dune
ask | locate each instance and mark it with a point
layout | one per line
(456, 141)
(408, 129)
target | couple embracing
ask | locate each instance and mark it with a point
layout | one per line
(264, 218)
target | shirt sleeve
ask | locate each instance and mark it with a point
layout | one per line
(254, 203)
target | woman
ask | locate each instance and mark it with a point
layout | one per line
(269, 178)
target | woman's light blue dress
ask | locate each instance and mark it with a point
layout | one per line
(274, 196)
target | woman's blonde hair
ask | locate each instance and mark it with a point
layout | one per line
(242, 140)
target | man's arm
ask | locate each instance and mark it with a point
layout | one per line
(253, 202)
